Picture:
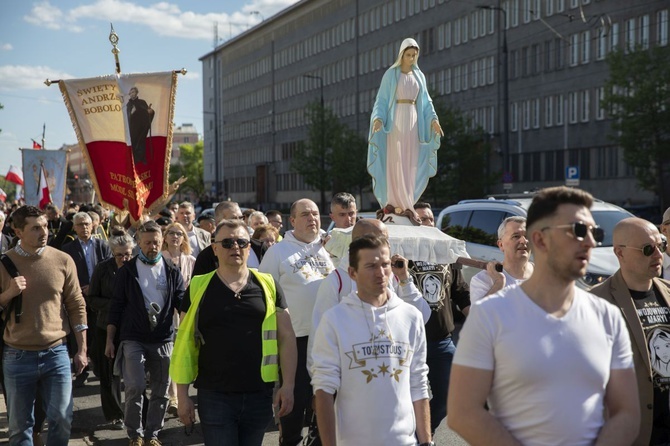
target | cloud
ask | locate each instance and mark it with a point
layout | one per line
(48, 16)
(6, 47)
(25, 77)
(163, 18)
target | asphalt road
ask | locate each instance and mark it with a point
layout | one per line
(89, 427)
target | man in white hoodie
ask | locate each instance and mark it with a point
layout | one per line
(370, 349)
(299, 263)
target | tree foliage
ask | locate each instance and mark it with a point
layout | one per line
(637, 96)
(333, 157)
(462, 161)
(191, 166)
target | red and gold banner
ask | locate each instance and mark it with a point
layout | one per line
(124, 126)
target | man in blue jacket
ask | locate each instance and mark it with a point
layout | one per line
(147, 291)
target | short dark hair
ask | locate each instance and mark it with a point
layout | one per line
(365, 242)
(20, 215)
(342, 199)
(230, 224)
(149, 226)
(547, 201)
(422, 205)
(273, 212)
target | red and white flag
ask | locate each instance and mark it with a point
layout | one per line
(124, 126)
(43, 190)
(15, 175)
(36, 145)
(3, 195)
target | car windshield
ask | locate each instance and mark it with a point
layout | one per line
(607, 220)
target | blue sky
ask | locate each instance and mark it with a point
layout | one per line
(65, 39)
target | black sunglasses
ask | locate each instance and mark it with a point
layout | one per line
(228, 243)
(579, 230)
(650, 249)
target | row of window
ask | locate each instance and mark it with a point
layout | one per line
(240, 184)
(594, 162)
(529, 114)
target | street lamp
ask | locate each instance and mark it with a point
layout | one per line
(503, 65)
(323, 136)
(258, 13)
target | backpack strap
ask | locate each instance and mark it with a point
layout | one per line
(17, 302)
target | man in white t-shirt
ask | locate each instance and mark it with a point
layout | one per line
(513, 243)
(553, 362)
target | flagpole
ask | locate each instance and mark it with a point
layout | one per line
(44, 130)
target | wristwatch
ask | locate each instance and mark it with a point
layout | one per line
(430, 443)
(404, 282)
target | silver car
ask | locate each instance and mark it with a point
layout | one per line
(476, 222)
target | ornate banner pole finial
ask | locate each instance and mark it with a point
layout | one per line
(114, 39)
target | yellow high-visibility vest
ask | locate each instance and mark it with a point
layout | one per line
(184, 361)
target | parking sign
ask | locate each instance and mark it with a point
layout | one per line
(572, 176)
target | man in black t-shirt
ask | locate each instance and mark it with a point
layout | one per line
(245, 333)
(445, 291)
(645, 302)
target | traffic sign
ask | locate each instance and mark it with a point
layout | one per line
(572, 176)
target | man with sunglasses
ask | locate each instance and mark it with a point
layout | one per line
(644, 300)
(299, 263)
(235, 334)
(206, 262)
(553, 362)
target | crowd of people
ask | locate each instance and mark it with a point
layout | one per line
(267, 324)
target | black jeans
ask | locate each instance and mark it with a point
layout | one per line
(292, 424)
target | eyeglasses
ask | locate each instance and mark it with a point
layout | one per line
(175, 233)
(580, 229)
(229, 242)
(123, 255)
(649, 249)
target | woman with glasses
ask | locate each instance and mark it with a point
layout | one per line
(101, 290)
(177, 249)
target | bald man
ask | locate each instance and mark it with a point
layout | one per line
(338, 284)
(645, 302)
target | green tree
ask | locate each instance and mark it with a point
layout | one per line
(462, 161)
(313, 158)
(190, 166)
(637, 96)
(349, 163)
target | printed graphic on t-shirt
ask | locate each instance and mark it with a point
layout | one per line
(311, 267)
(655, 320)
(380, 358)
(431, 279)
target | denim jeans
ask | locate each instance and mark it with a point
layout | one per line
(439, 355)
(25, 372)
(138, 358)
(234, 419)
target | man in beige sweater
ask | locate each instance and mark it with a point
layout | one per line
(35, 353)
